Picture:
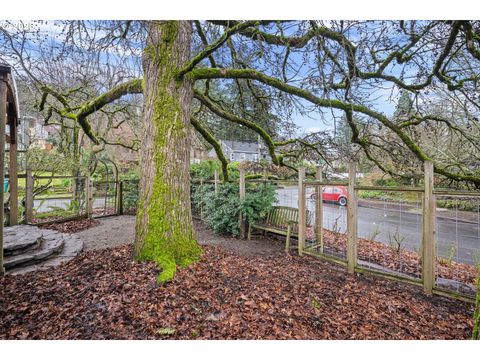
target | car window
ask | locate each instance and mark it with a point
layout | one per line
(328, 190)
(338, 191)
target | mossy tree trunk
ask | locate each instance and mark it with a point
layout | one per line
(164, 228)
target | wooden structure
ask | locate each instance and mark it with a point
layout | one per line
(241, 218)
(351, 220)
(303, 209)
(281, 220)
(319, 209)
(9, 116)
(428, 248)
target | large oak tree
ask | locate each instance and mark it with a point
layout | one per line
(326, 69)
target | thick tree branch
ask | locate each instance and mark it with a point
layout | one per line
(81, 112)
(237, 119)
(212, 141)
(200, 32)
(329, 103)
(215, 45)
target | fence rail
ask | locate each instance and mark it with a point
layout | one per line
(45, 203)
(420, 258)
(436, 254)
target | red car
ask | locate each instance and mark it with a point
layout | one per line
(337, 194)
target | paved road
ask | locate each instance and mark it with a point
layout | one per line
(464, 237)
(49, 204)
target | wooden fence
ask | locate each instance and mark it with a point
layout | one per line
(428, 237)
(85, 198)
(428, 253)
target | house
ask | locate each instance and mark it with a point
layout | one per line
(198, 149)
(242, 151)
(33, 132)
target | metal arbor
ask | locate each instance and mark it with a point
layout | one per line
(105, 191)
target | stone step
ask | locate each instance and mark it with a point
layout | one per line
(20, 238)
(49, 245)
(72, 247)
(29, 248)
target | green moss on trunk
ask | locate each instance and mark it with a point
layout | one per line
(164, 224)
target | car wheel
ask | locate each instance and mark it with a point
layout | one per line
(342, 201)
(313, 196)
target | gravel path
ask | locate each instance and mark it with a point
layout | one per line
(110, 232)
(119, 230)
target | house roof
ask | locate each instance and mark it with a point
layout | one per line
(242, 146)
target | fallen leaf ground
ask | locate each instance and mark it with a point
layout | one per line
(103, 294)
(71, 226)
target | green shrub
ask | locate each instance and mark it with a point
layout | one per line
(371, 194)
(130, 195)
(386, 182)
(221, 211)
(233, 171)
(465, 205)
(204, 170)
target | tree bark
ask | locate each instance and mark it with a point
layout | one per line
(164, 227)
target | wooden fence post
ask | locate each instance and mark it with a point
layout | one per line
(89, 188)
(351, 220)
(3, 117)
(120, 198)
(13, 174)
(428, 239)
(29, 184)
(301, 211)
(216, 181)
(242, 196)
(201, 206)
(319, 210)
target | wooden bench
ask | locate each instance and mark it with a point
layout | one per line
(281, 220)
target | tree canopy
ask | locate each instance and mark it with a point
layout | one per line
(256, 75)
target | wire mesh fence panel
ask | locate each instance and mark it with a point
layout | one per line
(7, 200)
(457, 243)
(327, 235)
(130, 196)
(286, 193)
(58, 198)
(271, 207)
(21, 198)
(389, 231)
(200, 192)
(104, 198)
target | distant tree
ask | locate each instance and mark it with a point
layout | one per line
(404, 108)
